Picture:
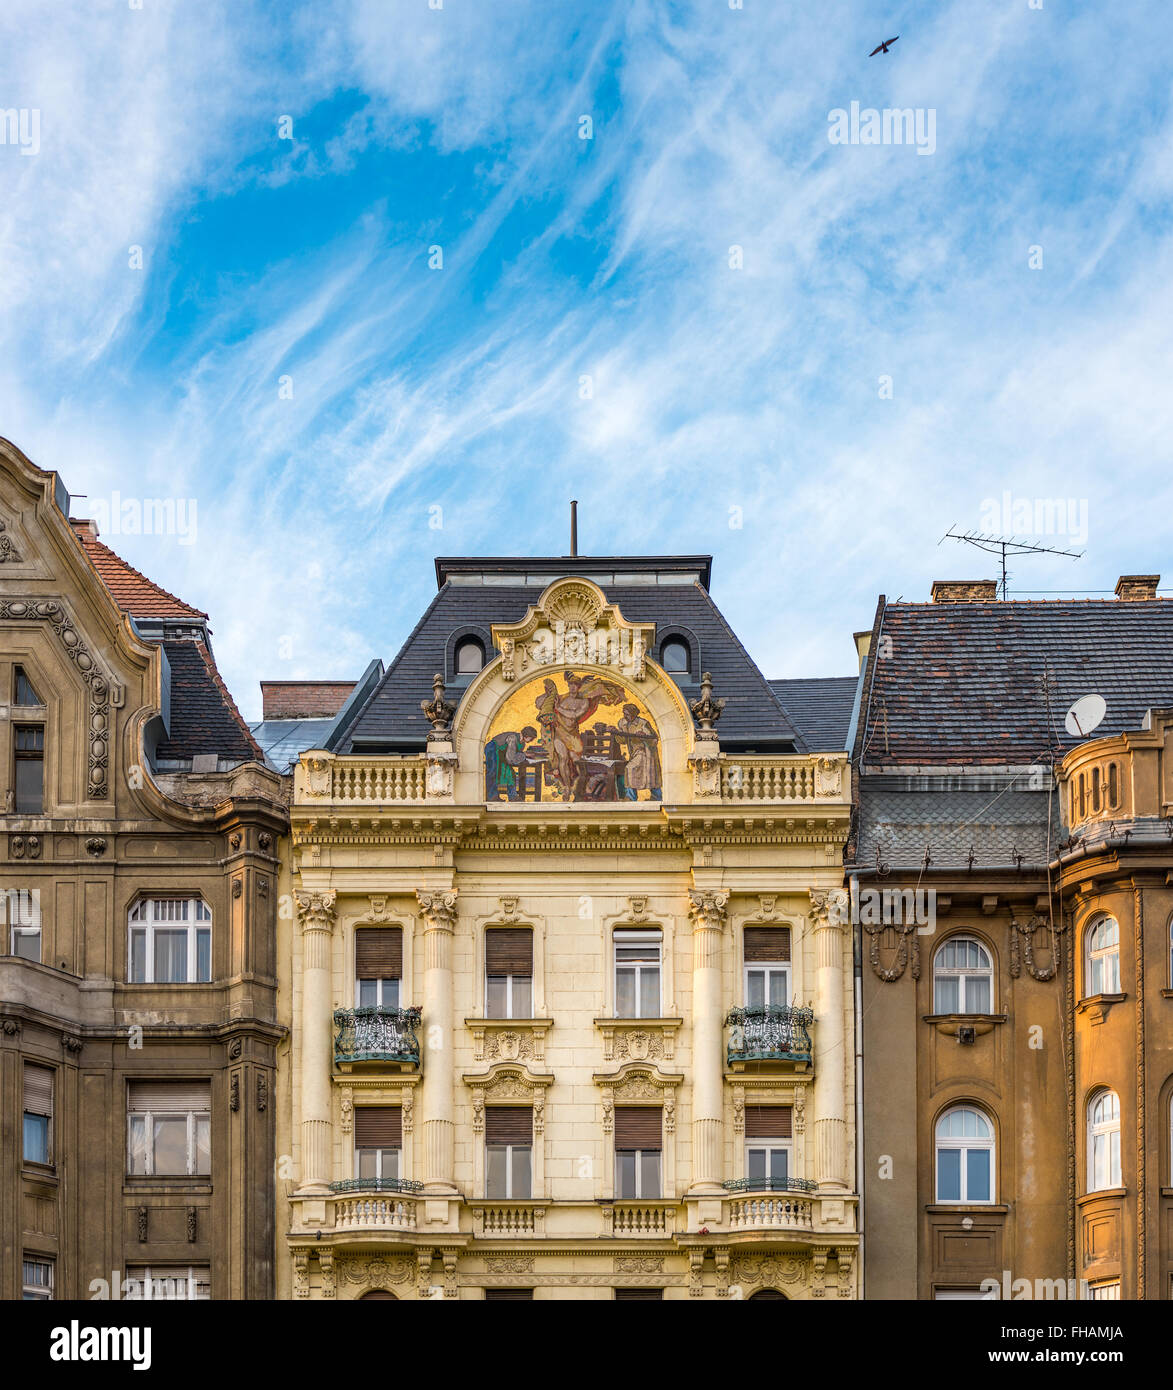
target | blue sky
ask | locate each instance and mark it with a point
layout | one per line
(877, 363)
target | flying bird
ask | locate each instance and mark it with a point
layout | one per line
(883, 48)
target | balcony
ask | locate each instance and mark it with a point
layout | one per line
(770, 1213)
(769, 1034)
(508, 1220)
(376, 1035)
(639, 1220)
(377, 1204)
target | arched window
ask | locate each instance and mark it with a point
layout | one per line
(965, 1156)
(1103, 957)
(675, 656)
(768, 1293)
(1103, 1141)
(963, 977)
(469, 657)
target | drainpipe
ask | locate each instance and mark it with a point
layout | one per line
(857, 953)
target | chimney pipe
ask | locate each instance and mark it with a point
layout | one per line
(574, 528)
(1134, 588)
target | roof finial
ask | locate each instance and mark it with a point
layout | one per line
(574, 528)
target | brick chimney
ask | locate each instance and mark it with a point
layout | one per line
(1132, 588)
(965, 590)
(303, 699)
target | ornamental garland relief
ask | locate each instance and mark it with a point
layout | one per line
(376, 1272)
(769, 1269)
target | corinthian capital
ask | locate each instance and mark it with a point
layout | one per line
(316, 910)
(438, 909)
(707, 909)
(830, 907)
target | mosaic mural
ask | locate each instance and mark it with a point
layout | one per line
(572, 737)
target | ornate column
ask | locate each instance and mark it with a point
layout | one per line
(316, 911)
(707, 910)
(438, 911)
(829, 918)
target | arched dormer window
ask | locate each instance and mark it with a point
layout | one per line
(675, 657)
(469, 656)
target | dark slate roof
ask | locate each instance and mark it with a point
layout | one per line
(964, 682)
(204, 717)
(821, 708)
(896, 826)
(283, 741)
(752, 714)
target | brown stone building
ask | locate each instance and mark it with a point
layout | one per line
(1016, 1010)
(137, 968)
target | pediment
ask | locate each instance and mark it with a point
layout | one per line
(20, 558)
(572, 623)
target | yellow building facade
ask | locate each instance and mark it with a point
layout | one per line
(569, 988)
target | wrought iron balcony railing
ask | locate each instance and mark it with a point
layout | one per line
(377, 1185)
(377, 1035)
(770, 1185)
(770, 1033)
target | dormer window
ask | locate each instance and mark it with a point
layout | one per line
(469, 657)
(675, 657)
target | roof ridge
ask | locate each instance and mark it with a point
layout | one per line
(87, 533)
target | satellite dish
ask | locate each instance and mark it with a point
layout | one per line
(1085, 715)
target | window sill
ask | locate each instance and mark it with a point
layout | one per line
(1098, 1006)
(966, 1208)
(168, 1182)
(1167, 994)
(638, 1039)
(39, 1172)
(952, 1024)
(1113, 1192)
(509, 1039)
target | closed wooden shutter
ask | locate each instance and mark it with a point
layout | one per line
(378, 1127)
(170, 1096)
(38, 1089)
(639, 1295)
(767, 1121)
(509, 1295)
(509, 1124)
(767, 944)
(638, 1127)
(509, 951)
(378, 953)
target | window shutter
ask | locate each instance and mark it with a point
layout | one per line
(509, 1295)
(509, 1124)
(639, 1295)
(509, 951)
(378, 953)
(163, 1096)
(767, 1121)
(638, 1127)
(38, 1089)
(378, 1127)
(766, 944)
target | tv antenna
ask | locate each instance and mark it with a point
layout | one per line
(1006, 545)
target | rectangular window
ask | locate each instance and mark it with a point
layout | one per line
(637, 974)
(170, 941)
(38, 1113)
(1108, 1291)
(29, 756)
(22, 922)
(36, 1280)
(1106, 1159)
(768, 1146)
(767, 967)
(638, 1142)
(509, 1295)
(378, 966)
(169, 1128)
(378, 1142)
(509, 1141)
(509, 968)
(168, 1283)
(639, 1295)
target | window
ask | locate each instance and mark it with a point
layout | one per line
(170, 941)
(378, 1143)
(963, 978)
(965, 1156)
(638, 1142)
(509, 968)
(161, 1282)
(1103, 957)
(22, 922)
(23, 692)
(1103, 1141)
(767, 967)
(378, 966)
(509, 1295)
(1109, 1290)
(469, 657)
(36, 1280)
(169, 1128)
(637, 974)
(29, 754)
(509, 1131)
(38, 1113)
(767, 1146)
(639, 1295)
(675, 656)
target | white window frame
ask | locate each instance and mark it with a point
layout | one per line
(1102, 957)
(36, 1292)
(623, 938)
(197, 919)
(963, 974)
(964, 1143)
(1108, 1290)
(379, 1175)
(148, 1117)
(771, 1146)
(639, 1195)
(154, 1278)
(380, 1002)
(1103, 1136)
(22, 918)
(511, 1010)
(768, 969)
(510, 1180)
